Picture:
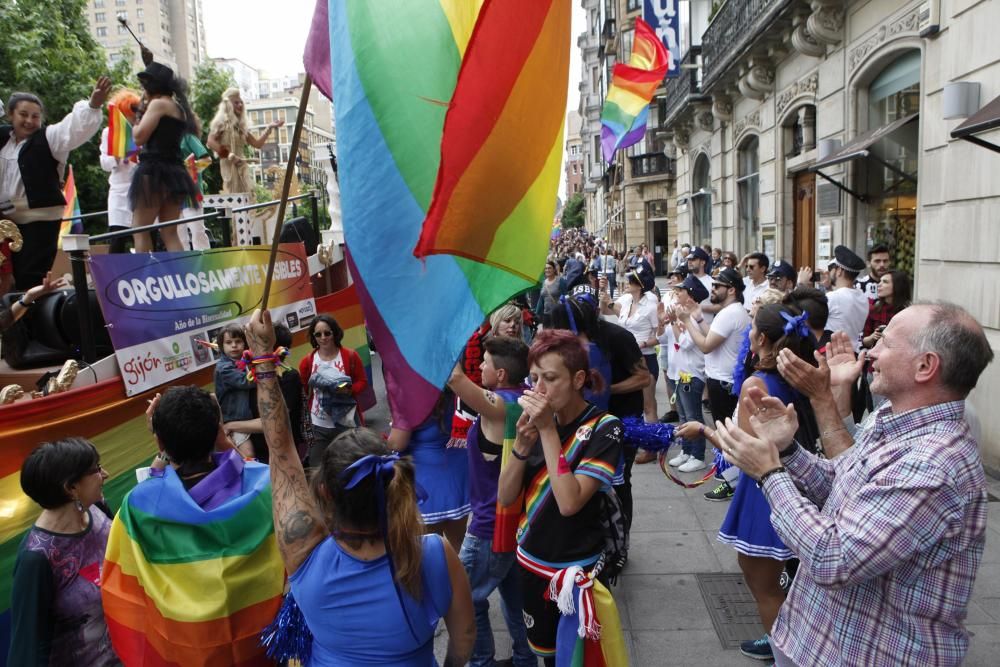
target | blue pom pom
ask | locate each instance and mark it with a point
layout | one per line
(655, 437)
(288, 637)
(720, 462)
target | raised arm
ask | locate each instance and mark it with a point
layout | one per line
(483, 401)
(298, 524)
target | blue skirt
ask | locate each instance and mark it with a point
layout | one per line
(747, 526)
(443, 472)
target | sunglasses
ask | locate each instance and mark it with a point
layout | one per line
(322, 334)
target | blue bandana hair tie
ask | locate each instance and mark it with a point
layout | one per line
(797, 324)
(383, 469)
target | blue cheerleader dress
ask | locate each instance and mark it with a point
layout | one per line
(747, 526)
(442, 471)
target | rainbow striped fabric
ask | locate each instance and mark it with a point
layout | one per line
(501, 150)
(626, 110)
(188, 586)
(70, 224)
(116, 424)
(400, 88)
(120, 142)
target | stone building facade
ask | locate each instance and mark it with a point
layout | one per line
(800, 125)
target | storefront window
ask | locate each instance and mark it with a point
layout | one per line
(748, 190)
(892, 177)
(701, 200)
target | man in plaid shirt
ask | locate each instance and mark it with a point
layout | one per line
(890, 533)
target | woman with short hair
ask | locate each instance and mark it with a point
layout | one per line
(564, 459)
(56, 612)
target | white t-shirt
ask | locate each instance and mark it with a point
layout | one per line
(318, 416)
(751, 292)
(688, 357)
(728, 323)
(643, 322)
(848, 312)
(706, 280)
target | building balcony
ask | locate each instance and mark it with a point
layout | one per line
(735, 28)
(609, 33)
(683, 90)
(591, 102)
(649, 165)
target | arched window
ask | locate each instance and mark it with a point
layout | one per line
(701, 200)
(748, 193)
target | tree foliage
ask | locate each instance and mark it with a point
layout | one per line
(573, 213)
(206, 92)
(47, 50)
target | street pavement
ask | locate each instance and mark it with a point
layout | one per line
(664, 616)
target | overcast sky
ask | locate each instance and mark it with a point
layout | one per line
(270, 35)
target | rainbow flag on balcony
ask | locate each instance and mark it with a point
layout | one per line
(439, 119)
(626, 110)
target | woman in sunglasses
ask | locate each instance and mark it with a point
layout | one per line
(333, 377)
(56, 612)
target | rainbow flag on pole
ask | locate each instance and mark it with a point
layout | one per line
(189, 586)
(71, 224)
(432, 101)
(120, 142)
(626, 110)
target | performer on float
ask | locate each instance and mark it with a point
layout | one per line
(32, 164)
(228, 137)
(161, 183)
(120, 168)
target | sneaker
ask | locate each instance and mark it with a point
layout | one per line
(670, 417)
(758, 649)
(720, 493)
(719, 476)
(692, 464)
(679, 459)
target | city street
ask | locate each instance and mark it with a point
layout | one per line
(663, 611)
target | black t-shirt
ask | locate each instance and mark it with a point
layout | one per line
(551, 536)
(620, 348)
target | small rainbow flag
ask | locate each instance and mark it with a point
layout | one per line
(191, 586)
(625, 113)
(120, 142)
(71, 223)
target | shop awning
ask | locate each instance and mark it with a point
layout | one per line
(860, 147)
(987, 118)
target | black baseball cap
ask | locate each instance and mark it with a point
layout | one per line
(846, 259)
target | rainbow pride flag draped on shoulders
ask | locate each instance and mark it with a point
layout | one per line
(188, 586)
(626, 110)
(449, 139)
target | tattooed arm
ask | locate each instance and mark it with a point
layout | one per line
(298, 522)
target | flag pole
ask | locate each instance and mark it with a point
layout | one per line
(285, 186)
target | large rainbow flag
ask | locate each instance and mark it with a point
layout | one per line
(405, 76)
(191, 586)
(626, 110)
(116, 424)
(121, 144)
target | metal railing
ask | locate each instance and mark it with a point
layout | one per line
(679, 91)
(734, 28)
(295, 209)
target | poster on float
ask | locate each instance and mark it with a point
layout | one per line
(662, 17)
(163, 309)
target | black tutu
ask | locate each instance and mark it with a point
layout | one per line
(161, 176)
(157, 180)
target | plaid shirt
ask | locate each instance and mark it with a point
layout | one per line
(888, 563)
(879, 314)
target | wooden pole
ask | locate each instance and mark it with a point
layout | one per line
(293, 153)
